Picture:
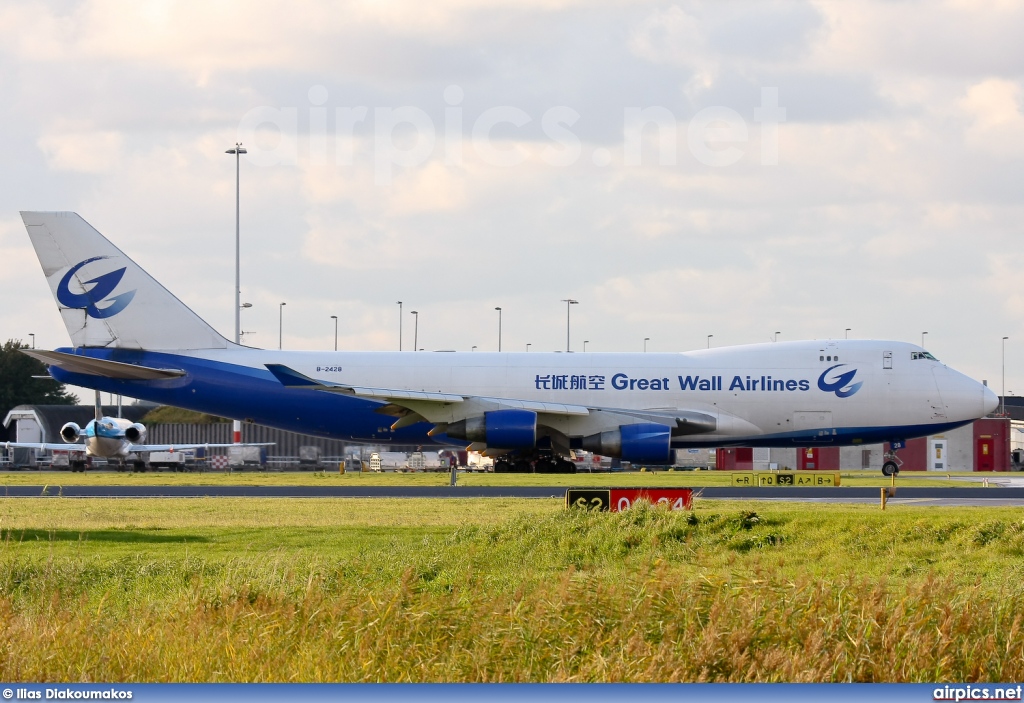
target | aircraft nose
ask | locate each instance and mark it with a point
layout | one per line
(991, 401)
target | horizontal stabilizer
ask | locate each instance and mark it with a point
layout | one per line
(102, 367)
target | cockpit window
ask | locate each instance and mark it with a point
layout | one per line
(914, 356)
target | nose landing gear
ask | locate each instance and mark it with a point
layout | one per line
(892, 464)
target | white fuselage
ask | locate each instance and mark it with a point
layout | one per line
(752, 391)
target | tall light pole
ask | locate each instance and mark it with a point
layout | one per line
(335, 318)
(776, 337)
(709, 340)
(280, 324)
(33, 339)
(399, 325)
(846, 334)
(585, 343)
(499, 327)
(238, 151)
(646, 340)
(236, 426)
(1003, 396)
(474, 348)
(568, 303)
(922, 339)
(528, 345)
(416, 331)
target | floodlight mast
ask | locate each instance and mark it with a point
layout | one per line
(237, 151)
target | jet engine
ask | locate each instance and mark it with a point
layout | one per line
(70, 433)
(644, 442)
(499, 429)
(136, 434)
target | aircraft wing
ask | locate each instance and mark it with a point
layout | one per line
(44, 446)
(422, 406)
(101, 367)
(188, 447)
(293, 379)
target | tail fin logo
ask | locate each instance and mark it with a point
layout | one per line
(842, 385)
(102, 286)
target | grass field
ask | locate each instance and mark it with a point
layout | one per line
(506, 590)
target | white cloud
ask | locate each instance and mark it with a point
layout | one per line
(997, 127)
(889, 218)
(83, 152)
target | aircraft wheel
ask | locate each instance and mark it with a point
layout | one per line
(566, 467)
(502, 467)
(523, 467)
(890, 468)
(545, 466)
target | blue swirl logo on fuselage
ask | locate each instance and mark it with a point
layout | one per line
(102, 286)
(842, 385)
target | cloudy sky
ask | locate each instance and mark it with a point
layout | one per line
(464, 155)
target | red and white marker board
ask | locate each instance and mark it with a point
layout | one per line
(616, 499)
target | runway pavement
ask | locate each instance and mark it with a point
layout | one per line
(955, 495)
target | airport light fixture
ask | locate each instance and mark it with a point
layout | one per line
(528, 345)
(499, 327)
(776, 337)
(846, 334)
(335, 318)
(646, 340)
(569, 302)
(33, 339)
(1003, 396)
(399, 325)
(585, 343)
(237, 151)
(242, 333)
(416, 330)
(474, 348)
(709, 340)
(922, 339)
(280, 324)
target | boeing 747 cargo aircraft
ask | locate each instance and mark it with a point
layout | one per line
(129, 335)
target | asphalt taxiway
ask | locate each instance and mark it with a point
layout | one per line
(964, 495)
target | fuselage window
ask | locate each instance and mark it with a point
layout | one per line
(821, 358)
(830, 358)
(914, 356)
(835, 358)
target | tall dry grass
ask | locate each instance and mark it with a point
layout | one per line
(564, 597)
(656, 627)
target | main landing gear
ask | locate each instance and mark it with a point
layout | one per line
(542, 464)
(892, 464)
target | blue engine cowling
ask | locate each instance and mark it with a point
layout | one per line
(644, 442)
(499, 429)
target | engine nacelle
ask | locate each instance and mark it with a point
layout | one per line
(499, 429)
(645, 442)
(136, 434)
(70, 433)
